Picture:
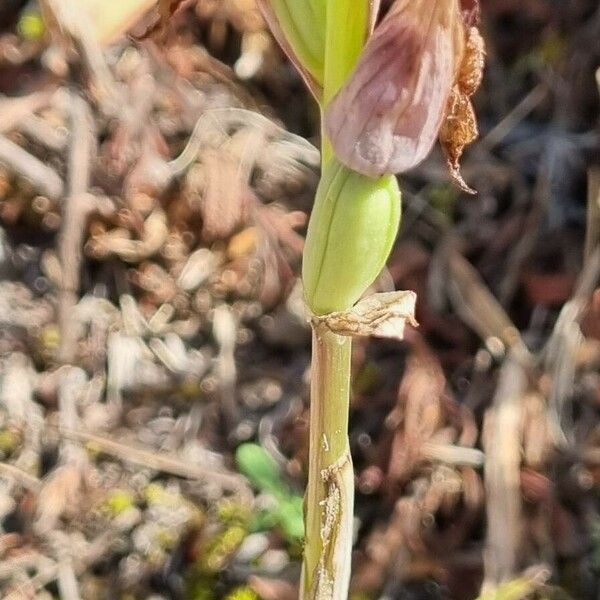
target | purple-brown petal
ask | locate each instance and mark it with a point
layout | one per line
(388, 115)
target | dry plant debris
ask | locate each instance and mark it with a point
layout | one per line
(152, 211)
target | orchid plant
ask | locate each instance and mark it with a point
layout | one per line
(386, 93)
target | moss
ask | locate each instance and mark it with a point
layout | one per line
(10, 440)
(221, 548)
(31, 26)
(242, 593)
(118, 501)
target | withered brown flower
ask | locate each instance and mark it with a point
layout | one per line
(408, 87)
(460, 123)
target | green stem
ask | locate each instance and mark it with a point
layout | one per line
(329, 501)
(330, 493)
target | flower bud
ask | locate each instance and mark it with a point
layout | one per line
(299, 28)
(351, 231)
(387, 116)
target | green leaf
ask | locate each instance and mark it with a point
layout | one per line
(291, 518)
(517, 589)
(263, 472)
(260, 468)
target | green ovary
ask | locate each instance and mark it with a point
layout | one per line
(352, 229)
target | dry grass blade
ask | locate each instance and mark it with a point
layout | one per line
(503, 449)
(28, 481)
(592, 239)
(453, 455)
(160, 462)
(40, 131)
(562, 348)
(528, 104)
(43, 177)
(67, 581)
(225, 331)
(13, 110)
(75, 212)
(561, 360)
(477, 306)
(223, 120)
